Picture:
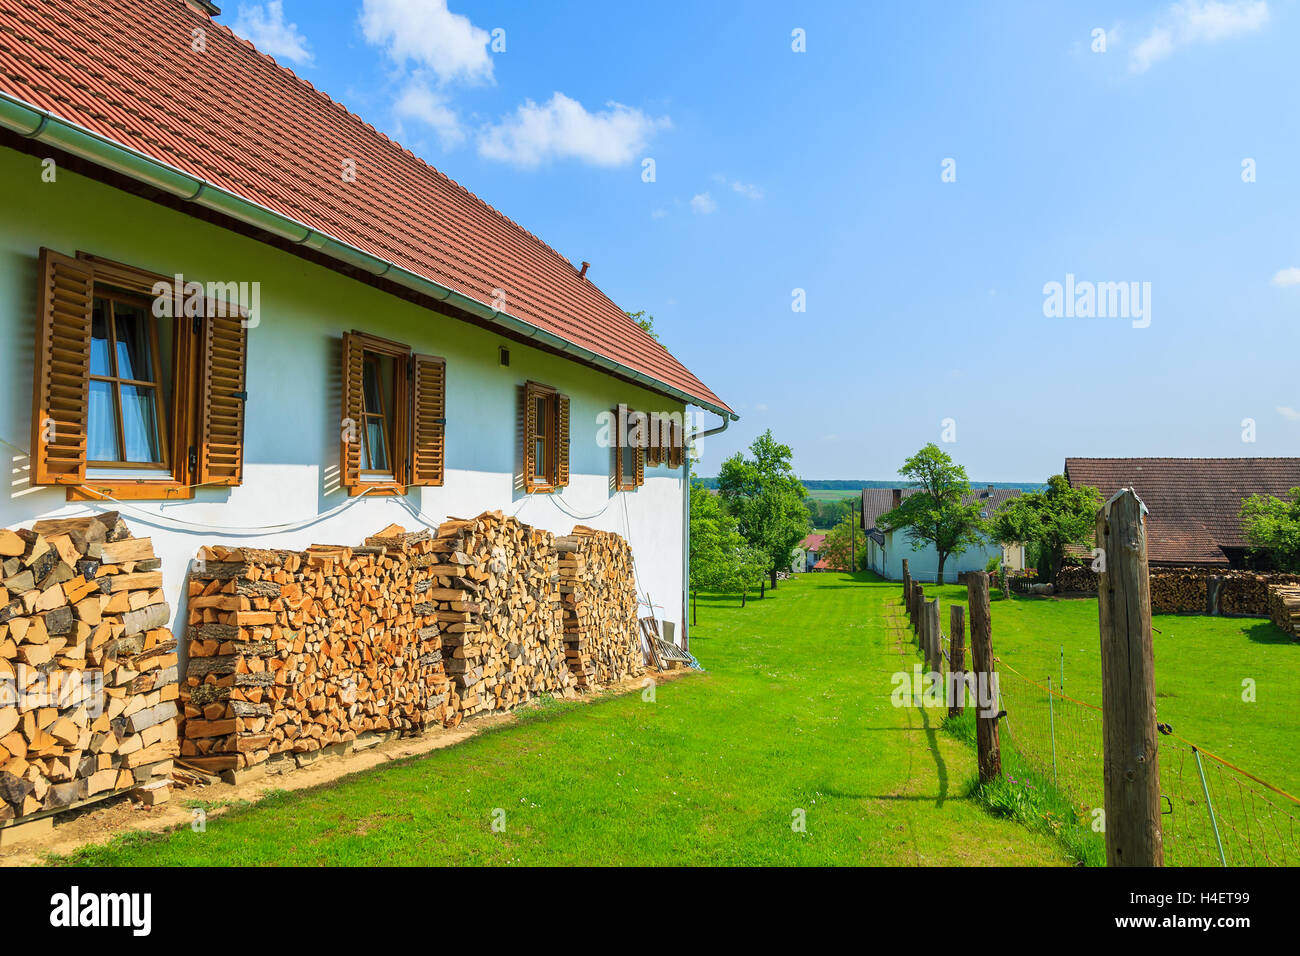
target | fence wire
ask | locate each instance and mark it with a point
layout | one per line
(1246, 821)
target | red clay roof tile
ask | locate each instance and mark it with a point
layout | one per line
(234, 117)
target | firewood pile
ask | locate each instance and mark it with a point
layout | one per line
(499, 602)
(290, 652)
(1184, 590)
(1284, 607)
(598, 591)
(88, 683)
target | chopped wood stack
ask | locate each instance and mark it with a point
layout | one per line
(499, 604)
(598, 590)
(1284, 607)
(290, 652)
(88, 683)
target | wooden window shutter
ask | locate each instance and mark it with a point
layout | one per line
(618, 450)
(528, 420)
(562, 441)
(429, 422)
(640, 465)
(61, 376)
(677, 445)
(353, 410)
(223, 380)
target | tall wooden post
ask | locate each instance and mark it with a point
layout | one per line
(957, 666)
(981, 652)
(907, 582)
(1128, 687)
(918, 607)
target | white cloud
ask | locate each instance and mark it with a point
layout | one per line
(1286, 277)
(748, 190)
(563, 129)
(426, 33)
(703, 204)
(265, 28)
(419, 102)
(1288, 413)
(1197, 21)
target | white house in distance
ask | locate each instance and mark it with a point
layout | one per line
(403, 353)
(887, 549)
(807, 553)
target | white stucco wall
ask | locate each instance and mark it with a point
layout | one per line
(924, 564)
(291, 467)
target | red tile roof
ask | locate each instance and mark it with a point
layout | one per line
(813, 542)
(1194, 503)
(236, 119)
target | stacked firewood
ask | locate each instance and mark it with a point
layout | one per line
(497, 600)
(291, 652)
(1284, 607)
(87, 665)
(1178, 591)
(598, 590)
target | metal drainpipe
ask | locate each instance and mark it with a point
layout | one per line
(686, 529)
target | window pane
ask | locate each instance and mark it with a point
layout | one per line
(101, 423)
(134, 359)
(140, 424)
(542, 417)
(378, 450)
(629, 463)
(374, 404)
(539, 460)
(99, 339)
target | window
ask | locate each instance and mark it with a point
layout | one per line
(665, 443)
(132, 401)
(631, 437)
(393, 431)
(545, 422)
(129, 405)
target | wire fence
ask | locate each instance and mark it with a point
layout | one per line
(1213, 813)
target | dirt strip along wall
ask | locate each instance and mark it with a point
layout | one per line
(88, 684)
(1183, 590)
(291, 652)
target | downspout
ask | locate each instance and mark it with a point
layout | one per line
(686, 528)
(40, 125)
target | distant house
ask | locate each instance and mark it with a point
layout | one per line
(887, 549)
(808, 553)
(1194, 503)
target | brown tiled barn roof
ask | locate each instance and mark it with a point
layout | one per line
(1194, 503)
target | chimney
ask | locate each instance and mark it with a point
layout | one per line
(898, 497)
(582, 273)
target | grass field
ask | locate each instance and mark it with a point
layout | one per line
(793, 717)
(1204, 669)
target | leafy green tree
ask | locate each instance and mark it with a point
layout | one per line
(1049, 519)
(721, 559)
(839, 549)
(937, 513)
(1272, 524)
(766, 499)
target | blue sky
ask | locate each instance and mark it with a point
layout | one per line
(822, 170)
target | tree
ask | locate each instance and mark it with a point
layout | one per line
(766, 499)
(721, 559)
(937, 513)
(1273, 525)
(839, 549)
(1049, 519)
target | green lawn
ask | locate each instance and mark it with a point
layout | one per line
(1201, 664)
(794, 714)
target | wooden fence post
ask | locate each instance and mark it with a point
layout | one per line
(1128, 687)
(957, 665)
(934, 644)
(981, 652)
(907, 582)
(918, 607)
